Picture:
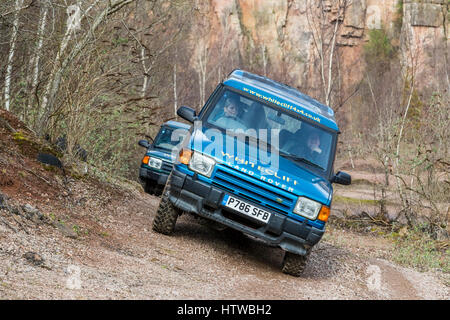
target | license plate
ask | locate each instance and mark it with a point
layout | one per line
(245, 208)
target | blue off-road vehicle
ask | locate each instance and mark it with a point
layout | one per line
(158, 161)
(259, 159)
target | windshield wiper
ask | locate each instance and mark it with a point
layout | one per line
(300, 159)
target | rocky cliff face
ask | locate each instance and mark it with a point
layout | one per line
(286, 39)
(426, 24)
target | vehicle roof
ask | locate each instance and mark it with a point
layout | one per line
(177, 124)
(282, 95)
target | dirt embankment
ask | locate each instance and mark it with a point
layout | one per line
(76, 237)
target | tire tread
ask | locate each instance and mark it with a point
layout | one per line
(166, 215)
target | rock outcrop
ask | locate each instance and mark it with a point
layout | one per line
(284, 38)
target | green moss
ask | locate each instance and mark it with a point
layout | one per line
(24, 140)
(118, 41)
(363, 182)
(48, 167)
(416, 249)
(76, 176)
(348, 200)
(76, 229)
(19, 136)
(23, 174)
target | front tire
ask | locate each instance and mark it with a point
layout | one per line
(166, 215)
(294, 264)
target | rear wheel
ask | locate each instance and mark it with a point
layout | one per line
(166, 215)
(294, 264)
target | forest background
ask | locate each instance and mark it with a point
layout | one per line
(105, 74)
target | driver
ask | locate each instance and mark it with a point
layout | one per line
(231, 113)
(310, 149)
(313, 151)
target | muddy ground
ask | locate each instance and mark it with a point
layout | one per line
(116, 255)
(77, 237)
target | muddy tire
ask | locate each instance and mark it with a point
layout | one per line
(166, 215)
(294, 264)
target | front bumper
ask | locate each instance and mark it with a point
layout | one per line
(194, 196)
(148, 174)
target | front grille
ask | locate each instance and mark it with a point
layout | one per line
(166, 167)
(254, 190)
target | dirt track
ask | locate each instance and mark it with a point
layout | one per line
(93, 240)
(118, 256)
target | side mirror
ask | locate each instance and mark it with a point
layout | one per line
(187, 113)
(144, 143)
(342, 178)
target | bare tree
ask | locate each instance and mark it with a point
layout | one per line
(175, 92)
(202, 64)
(324, 19)
(63, 59)
(12, 48)
(35, 60)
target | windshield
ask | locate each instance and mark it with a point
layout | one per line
(299, 141)
(165, 140)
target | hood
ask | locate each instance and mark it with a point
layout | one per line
(269, 168)
(162, 154)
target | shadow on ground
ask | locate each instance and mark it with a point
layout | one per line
(324, 261)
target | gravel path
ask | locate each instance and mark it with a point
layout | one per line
(67, 238)
(116, 255)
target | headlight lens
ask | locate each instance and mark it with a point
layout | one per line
(155, 163)
(202, 164)
(307, 208)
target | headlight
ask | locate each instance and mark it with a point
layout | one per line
(202, 164)
(155, 163)
(307, 208)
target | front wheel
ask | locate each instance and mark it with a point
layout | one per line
(294, 264)
(166, 215)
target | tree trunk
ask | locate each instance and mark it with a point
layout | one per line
(175, 95)
(264, 58)
(145, 83)
(330, 66)
(12, 49)
(37, 56)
